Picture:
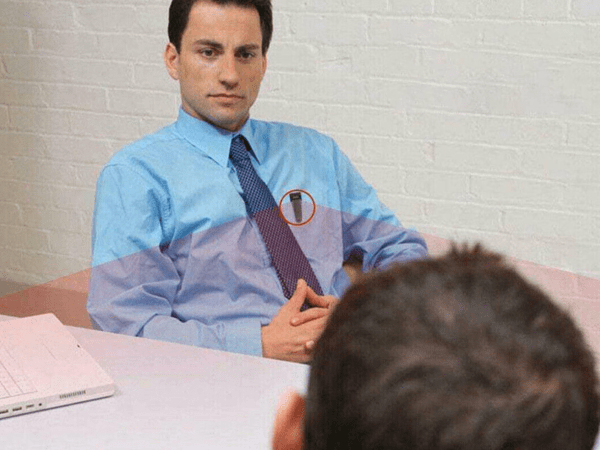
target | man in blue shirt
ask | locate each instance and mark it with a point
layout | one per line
(176, 255)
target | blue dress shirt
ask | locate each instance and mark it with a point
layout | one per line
(176, 256)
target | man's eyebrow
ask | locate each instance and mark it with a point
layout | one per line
(247, 47)
(219, 46)
(209, 42)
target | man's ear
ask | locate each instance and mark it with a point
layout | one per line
(289, 422)
(171, 57)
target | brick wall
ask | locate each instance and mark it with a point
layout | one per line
(476, 120)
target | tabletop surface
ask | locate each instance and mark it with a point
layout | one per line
(168, 396)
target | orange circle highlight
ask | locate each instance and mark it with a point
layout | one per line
(306, 221)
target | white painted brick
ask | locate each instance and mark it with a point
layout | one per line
(45, 267)
(484, 97)
(351, 145)
(87, 175)
(23, 238)
(24, 193)
(406, 95)
(583, 196)
(331, 29)
(548, 224)
(54, 15)
(543, 37)
(65, 43)
(107, 17)
(373, 121)
(399, 152)
(21, 94)
(322, 89)
(291, 5)
(14, 40)
(543, 9)
(69, 244)
(385, 179)
(14, 143)
(4, 120)
(292, 57)
(53, 219)
(430, 32)
(281, 26)
(153, 19)
(327, 6)
(335, 61)
(484, 129)
(311, 115)
(583, 134)
(411, 7)
(500, 9)
(270, 86)
(516, 191)
(104, 125)
(438, 185)
(76, 198)
(392, 61)
(449, 8)
(562, 164)
(69, 96)
(476, 158)
(53, 69)
(583, 257)
(11, 213)
(77, 150)
(372, 6)
(150, 125)
(39, 120)
(42, 171)
(406, 209)
(460, 215)
(586, 9)
(154, 76)
(468, 66)
(145, 103)
(132, 47)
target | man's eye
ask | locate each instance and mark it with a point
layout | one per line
(208, 52)
(247, 55)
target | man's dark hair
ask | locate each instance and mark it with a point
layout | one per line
(453, 353)
(179, 13)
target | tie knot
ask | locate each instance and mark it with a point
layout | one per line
(238, 151)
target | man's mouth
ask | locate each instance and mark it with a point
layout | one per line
(227, 96)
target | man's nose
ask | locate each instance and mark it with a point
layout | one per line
(228, 73)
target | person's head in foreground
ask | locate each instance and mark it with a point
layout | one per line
(453, 353)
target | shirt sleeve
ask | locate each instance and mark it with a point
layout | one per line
(134, 280)
(370, 230)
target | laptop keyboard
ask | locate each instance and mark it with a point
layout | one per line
(13, 380)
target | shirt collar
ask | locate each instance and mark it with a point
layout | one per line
(215, 141)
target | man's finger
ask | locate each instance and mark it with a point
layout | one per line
(320, 301)
(299, 295)
(308, 315)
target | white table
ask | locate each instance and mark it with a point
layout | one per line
(169, 397)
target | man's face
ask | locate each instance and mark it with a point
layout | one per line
(220, 64)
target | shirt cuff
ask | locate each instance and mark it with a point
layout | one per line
(244, 336)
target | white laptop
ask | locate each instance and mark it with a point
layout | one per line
(42, 366)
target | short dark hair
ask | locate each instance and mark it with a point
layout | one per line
(458, 352)
(179, 13)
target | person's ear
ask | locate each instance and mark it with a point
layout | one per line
(264, 65)
(171, 57)
(289, 422)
